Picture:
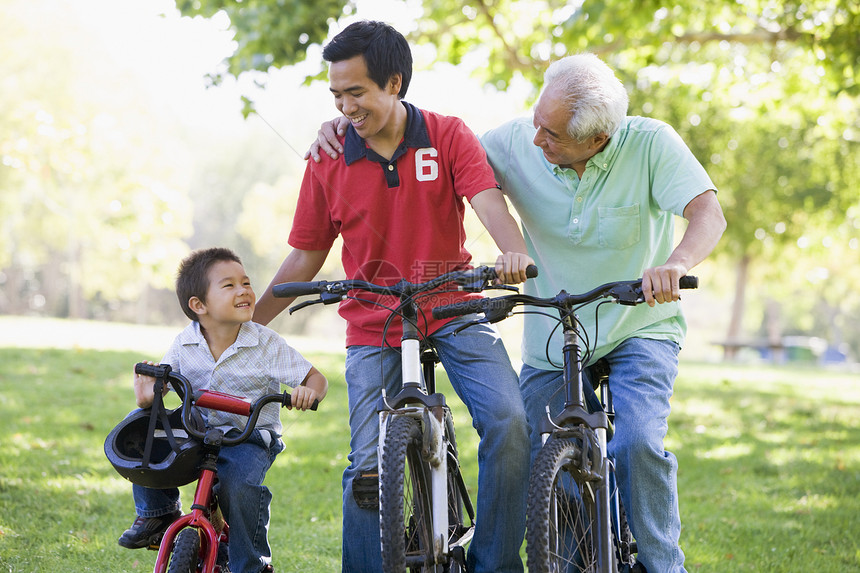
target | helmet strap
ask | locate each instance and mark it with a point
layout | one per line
(158, 412)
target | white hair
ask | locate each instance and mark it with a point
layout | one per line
(596, 98)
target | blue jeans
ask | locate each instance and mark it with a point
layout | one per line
(642, 374)
(481, 373)
(243, 498)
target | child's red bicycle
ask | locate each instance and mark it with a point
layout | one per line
(162, 449)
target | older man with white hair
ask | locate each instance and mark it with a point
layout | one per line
(597, 193)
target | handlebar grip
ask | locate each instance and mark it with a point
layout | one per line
(531, 271)
(289, 290)
(288, 400)
(689, 281)
(154, 370)
(459, 308)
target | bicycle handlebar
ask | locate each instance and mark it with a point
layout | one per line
(213, 400)
(469, 280)
(496, 309)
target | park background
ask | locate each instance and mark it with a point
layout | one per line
(131, 133)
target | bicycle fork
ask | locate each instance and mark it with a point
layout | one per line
(210, 526)
(430, 412)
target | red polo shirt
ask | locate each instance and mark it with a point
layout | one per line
(399, 219)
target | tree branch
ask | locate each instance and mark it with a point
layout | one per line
(513, 56)
(757, 36)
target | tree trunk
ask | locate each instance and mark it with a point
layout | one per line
(738, 307)
(11, 301)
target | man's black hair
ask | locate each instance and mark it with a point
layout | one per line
(386, 52)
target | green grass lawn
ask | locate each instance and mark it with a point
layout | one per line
(769, 457)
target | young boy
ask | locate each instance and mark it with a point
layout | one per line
(223, 350)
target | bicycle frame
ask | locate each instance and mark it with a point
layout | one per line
(417, 397)
(201, 517)
(205, 516)
(575, 415)
(574, 424)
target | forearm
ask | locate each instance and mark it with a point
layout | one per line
(299, 265)
(706, 225)
(316, 381)
(492, 210)
(312, 389)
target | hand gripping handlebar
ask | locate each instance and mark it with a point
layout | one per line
(212, 400)
(623, 292)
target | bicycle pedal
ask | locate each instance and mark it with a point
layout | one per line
(155, 542)
(365, 490)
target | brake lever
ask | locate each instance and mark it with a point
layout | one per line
(503, 287)
(304, 304)
(326, 297)
(470, 323)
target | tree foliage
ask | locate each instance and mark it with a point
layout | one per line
(269, 33)
(764, 91)
(97, 207)
(523, 37)
(83, 217)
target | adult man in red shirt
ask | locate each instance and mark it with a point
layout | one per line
(396, 197)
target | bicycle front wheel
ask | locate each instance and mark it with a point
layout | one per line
(405, 508)
(560, 516)
(186, 552)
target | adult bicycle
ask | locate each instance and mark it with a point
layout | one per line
(575, 521)
(425, 513)
(160, 448)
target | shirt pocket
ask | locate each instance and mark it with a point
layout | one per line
(618, 227)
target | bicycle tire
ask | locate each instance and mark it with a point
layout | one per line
(560, 535)
(185, 554)
(405, 508)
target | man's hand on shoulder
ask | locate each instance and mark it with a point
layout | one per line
(327, 139)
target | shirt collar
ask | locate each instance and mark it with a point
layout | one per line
(604, 159)
(193, 335)
(416, 135)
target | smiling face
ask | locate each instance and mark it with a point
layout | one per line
(229, 298)
(371, 110)
(551, 117)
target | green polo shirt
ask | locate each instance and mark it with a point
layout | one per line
(611, 225)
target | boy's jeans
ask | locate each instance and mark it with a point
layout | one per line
(242, 496)
(481, 373)
(642, 375)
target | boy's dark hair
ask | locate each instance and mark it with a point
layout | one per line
(192, 278)
(386, 52)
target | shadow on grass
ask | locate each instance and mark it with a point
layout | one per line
(769, 476)
(769, 467)
(63, 504)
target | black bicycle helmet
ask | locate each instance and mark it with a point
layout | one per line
(174, 456)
